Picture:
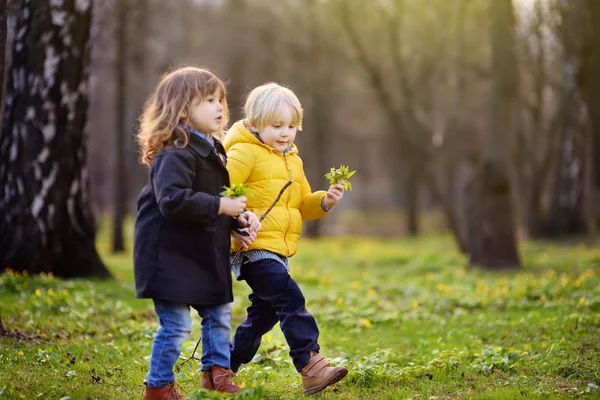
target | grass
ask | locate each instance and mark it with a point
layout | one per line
(406, 316)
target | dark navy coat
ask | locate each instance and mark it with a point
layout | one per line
(181, 244)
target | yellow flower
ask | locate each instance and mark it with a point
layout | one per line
(254, 385)
(354, 285)
(582, 300)
(50, 275)
(40, 350)
(243, 385)
(371, 292)
(331, 169)
(542, 296)
(20, 353)
(38, 292)
(366, 322)
(278, 346)
(415, 304)
(269, 337)
(50, 292)
(43, 274)
(65, 291)
(49, 302)
(25, 273)
(544, 345)
(340, 300)
(562, 340)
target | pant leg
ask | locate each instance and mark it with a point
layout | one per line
(216, 331)
(175, 327)
(261, 318)
(272, 283)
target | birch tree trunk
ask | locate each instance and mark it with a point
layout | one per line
(491, 227)
(47, 225)
(3, 14)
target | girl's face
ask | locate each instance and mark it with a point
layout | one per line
(206, 115)
(281, 133)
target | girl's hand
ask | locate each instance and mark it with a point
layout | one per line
(249, 220)
(232, 207)
(244, 241)
(334, 194)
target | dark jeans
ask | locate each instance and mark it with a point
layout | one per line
(275, 297)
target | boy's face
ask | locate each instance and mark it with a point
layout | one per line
(280, 134)
(206, 115)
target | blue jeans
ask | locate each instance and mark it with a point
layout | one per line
(275, 297)
(175, 327)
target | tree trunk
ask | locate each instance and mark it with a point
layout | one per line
(411, 201)
(319, 89)
(590, 85)
(3, 14)
(491, 228)
(119, 174)
(47, 223)
(566, 216)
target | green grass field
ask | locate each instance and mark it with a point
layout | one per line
(405, 315)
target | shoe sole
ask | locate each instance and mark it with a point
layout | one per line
(334, 379)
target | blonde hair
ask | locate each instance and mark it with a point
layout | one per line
(170, 105)
(263, 102)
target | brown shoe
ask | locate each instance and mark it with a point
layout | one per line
(219, 379)
(318, 374)
(168, 392)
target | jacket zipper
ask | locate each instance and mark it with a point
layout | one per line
(287, 206)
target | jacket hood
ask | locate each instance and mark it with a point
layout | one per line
(238, 133)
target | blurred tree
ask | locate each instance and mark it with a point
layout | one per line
(43, 172)
(534, 148)
(491, 226)
(317, 76)
(566, 214)
(402, 86)
(120, 174)
(590, 84)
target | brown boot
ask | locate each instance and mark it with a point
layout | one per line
(219, 379)
(318, 374)
(168, 392)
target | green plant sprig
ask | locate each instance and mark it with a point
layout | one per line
(342, 174)
(236, 190)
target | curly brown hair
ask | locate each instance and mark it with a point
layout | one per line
(170, 105)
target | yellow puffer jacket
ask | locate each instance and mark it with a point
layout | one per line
(265, 171)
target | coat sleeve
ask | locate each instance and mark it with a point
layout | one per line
(310, 206)
(172, 175)
(240, 162)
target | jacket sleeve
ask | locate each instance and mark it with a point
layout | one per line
(240, 163)
(310, 206)
(172, 176)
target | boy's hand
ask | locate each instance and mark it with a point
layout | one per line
(334, 194)
(232, 207)
(249, 220)
(244, 241)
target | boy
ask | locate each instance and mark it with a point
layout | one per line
(262, 155)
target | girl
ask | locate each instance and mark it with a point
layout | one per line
(262, 155)
(182, 227)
